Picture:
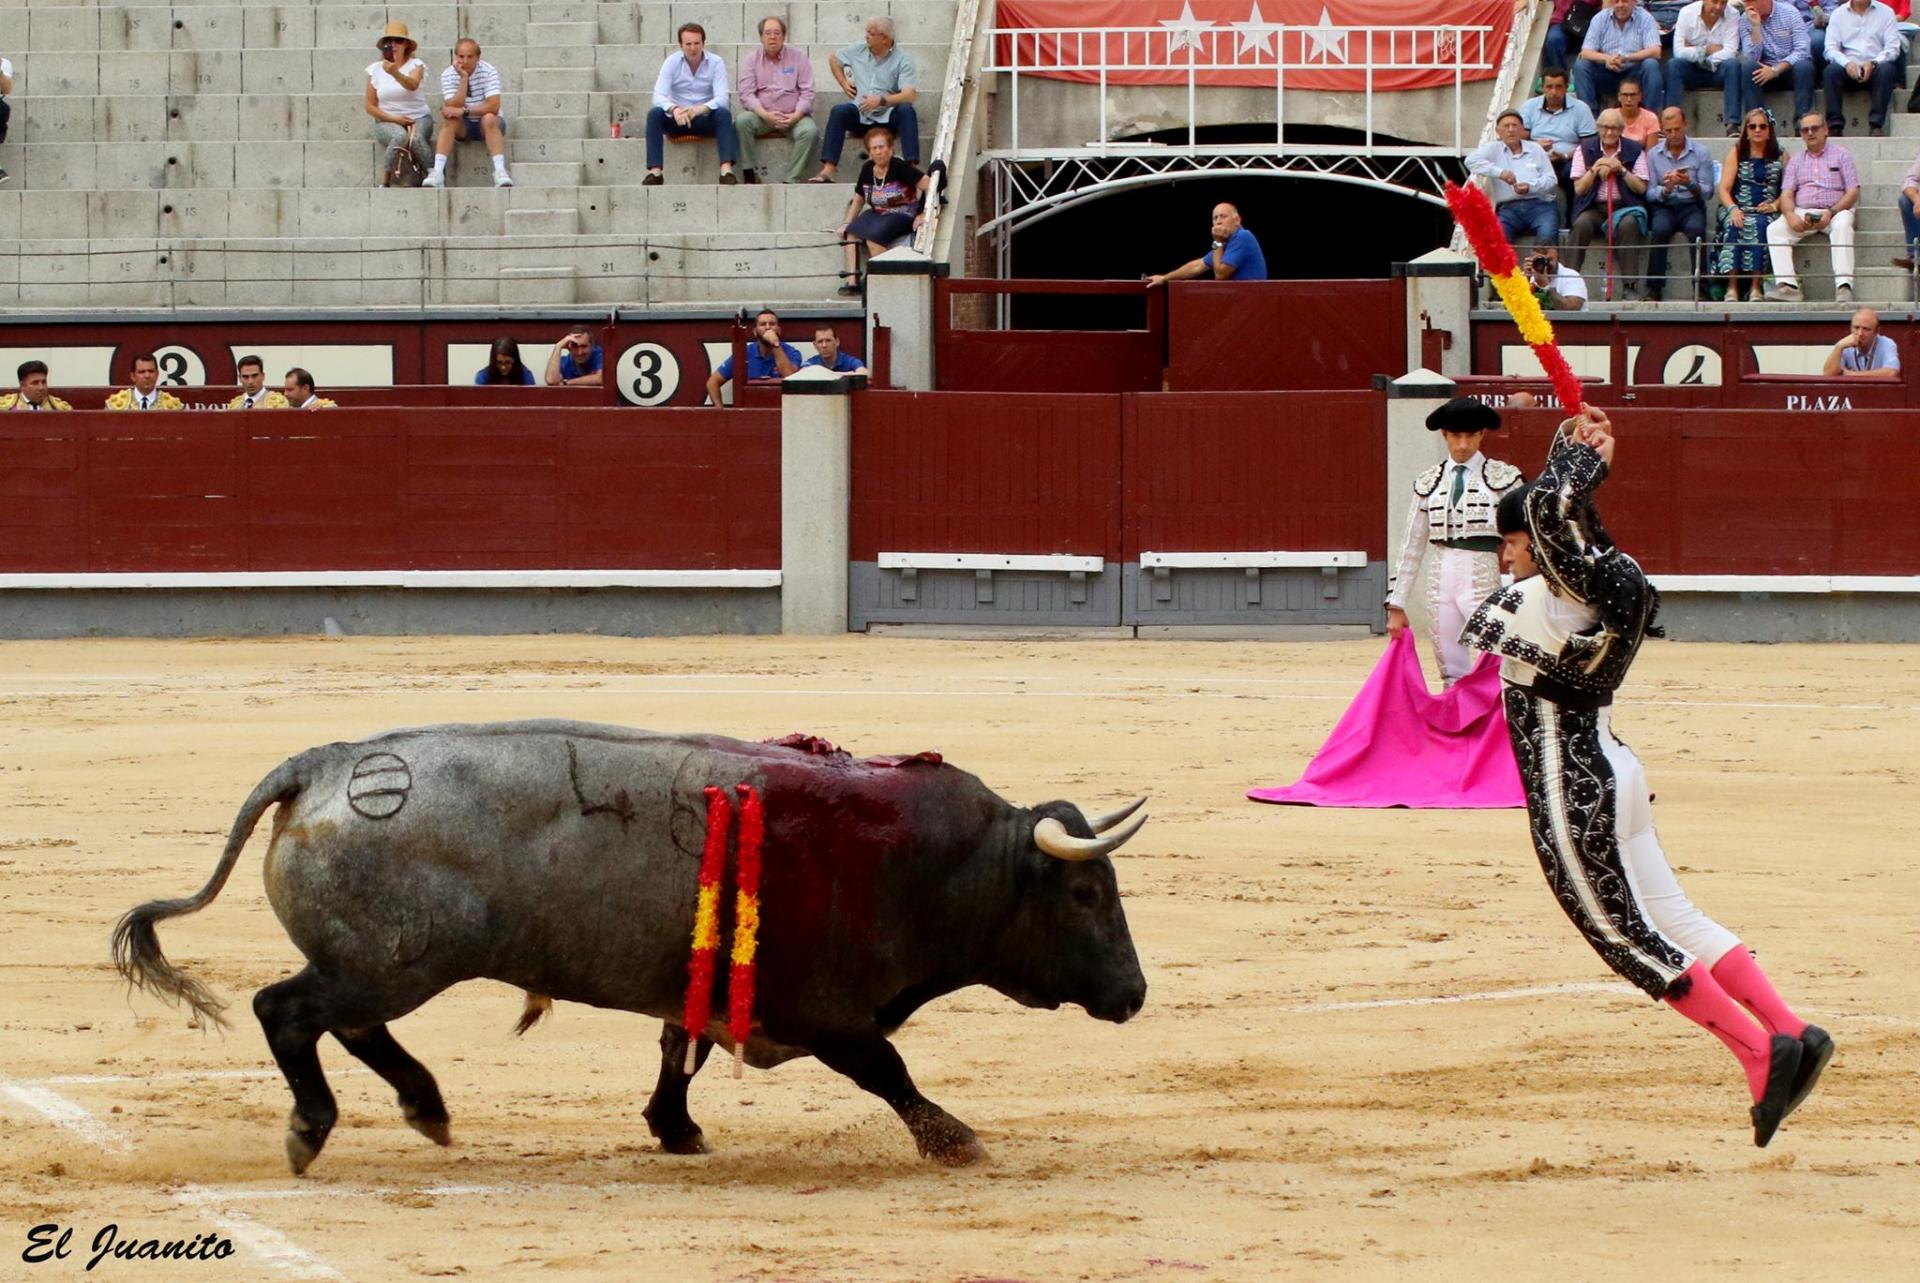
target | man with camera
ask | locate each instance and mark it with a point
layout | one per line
(1558, 287)
(768, 356)
(1681, 184)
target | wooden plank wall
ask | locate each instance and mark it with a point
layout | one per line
(427, 489)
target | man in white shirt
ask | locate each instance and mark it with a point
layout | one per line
(1706, 35)
(1863, 44)
(690, 98)
(470, 92)
(1520, 180)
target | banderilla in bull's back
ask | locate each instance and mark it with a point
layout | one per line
(565, 858)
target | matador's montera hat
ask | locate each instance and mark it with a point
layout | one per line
(1464, 414)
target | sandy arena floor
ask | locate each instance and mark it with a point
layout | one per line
(1372, 1046)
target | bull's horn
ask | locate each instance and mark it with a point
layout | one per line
(1112, 818)
(1052, 837)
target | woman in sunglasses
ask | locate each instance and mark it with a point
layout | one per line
(1749, 200)
(395, 100)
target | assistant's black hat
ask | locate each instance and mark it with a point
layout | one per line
(1463, 414)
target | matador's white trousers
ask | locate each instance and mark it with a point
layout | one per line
(1456, 585)
(1649, 877)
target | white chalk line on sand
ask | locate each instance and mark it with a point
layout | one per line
(264, 1241)
(269, 1244)
(175, 1075)
(601, 689)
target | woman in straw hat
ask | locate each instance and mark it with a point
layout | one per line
(395, 99)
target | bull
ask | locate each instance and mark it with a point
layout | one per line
(563, 857)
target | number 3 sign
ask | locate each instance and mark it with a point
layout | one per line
(647, 374)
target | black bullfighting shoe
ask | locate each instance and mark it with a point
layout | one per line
(1816, 1049)
(1782, 1068)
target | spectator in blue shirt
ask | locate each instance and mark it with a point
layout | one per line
(1235, 255)
(768, 357)
(1622, 44)
(1558, 123)
(827, 353)
(1865, 350)
(1680, 182)
(576, 360)
(1773, 43)
(505, 366)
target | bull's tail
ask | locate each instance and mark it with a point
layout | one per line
(538, 1005)
(136, 949)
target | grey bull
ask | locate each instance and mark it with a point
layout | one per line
(563, 857)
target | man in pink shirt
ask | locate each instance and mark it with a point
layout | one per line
(1817, 194)
(776, 98)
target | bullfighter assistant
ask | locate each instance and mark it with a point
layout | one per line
(1566, 630)
(1452, 510)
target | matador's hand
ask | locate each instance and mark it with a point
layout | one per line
(1396, 622)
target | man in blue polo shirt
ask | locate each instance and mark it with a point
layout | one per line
(1235, 255)
(767, 357)
(827, 353)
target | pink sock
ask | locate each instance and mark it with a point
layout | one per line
(1740, 975)
(1707, 1005)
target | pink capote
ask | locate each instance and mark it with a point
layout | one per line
(1400, 745)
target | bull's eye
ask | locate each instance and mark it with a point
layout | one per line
(1086, 895)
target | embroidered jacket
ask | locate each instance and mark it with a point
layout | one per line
(1580, 644)
(163, 400)
(266, 399)
(1434, 516)
(14, 401)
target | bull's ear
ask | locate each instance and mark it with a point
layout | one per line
(1051, 836)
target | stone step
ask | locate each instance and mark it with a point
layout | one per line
(551, 174)
(573, 34)
(556, 104)
(577, 80)
(543, 222)
(529, 285)
(527, 128)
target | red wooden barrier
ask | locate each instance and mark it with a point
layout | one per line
(216, 397)
(1280, 335)
(1253, 471)
(988, 472)
(383, 490)
(970, 360)
(1725, 492)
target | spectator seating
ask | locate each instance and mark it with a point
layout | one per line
(219, 155)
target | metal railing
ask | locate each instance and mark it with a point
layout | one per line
(1184, 54)
(945, 135)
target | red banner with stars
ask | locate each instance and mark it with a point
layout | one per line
(1321, 44)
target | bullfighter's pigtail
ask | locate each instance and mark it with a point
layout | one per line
(746, 923)
(706, 923)
(1474, 212)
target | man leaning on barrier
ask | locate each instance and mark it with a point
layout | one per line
(1865, 351)
(1235, 256)
(768, 357)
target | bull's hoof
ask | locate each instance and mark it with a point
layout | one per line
(949, 1141)
(430, 1122)
(693, 1142)
(301, 1151)
(964, 1153)
(434, 1129)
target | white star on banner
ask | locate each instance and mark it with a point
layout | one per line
(1184, 32)
(1327, 42)
(1256, 34)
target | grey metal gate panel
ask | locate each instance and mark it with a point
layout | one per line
(876, 596)
(1271, 595)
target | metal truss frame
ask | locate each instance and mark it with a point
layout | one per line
(1032, 186)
